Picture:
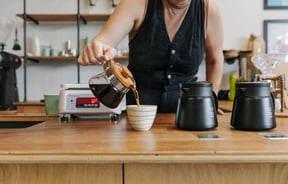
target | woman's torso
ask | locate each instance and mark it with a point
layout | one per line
(160, 59)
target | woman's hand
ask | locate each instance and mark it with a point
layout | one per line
(220, 111)
(95, 53)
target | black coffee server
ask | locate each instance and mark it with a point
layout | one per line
(253, 107)
(197, 107)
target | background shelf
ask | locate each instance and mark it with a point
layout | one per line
(36, 18)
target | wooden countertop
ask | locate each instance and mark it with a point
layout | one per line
(103, 141)
(26, 111)
(20, 117)
(35, 111)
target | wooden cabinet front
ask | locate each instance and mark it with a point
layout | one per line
(207, 173)
(60, 173)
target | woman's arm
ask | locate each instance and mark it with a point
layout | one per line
(122, 21)
(214, 45)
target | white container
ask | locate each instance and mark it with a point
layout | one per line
(35, 46)
(141, 117)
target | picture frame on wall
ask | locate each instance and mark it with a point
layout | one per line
(276, 36)
(275, 4)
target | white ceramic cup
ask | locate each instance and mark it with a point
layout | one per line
(141, 117)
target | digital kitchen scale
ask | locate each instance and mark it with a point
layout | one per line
(78, 101)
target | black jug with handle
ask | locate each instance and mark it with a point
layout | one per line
(197, 107)
(253, 107)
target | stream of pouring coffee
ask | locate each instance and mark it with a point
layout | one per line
(136, 95)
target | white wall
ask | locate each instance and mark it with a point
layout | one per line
(240, 19)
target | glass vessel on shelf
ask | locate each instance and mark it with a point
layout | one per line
(6, 27)
(266, 63)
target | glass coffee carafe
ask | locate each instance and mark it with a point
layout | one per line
(6, 27)
(266, 63)
(111, 85)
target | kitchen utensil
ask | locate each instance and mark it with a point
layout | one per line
(35, 46)
(197, 107)
(92, 2)
(8, 80)
(6, 27)
(111, 85)
(266, 63)
(78, 100)
(115, 3)
(16, 45)
(253, 107)
(8, 65)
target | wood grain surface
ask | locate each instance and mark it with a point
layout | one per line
(103, 151)
(98, 140)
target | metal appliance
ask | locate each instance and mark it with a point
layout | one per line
(8, 65)
(197, 107)
(8, 81)
(78, 101)
(253, 107)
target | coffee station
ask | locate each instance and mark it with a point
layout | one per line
(113, 152)
(191, 147)
(92, 138)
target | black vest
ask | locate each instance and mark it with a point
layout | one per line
(158, 65)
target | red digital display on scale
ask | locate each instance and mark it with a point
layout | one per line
(87, 102)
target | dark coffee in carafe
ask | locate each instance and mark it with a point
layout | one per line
(111, 85)
(107, 94)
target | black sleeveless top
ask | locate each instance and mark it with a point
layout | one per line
(157, 64)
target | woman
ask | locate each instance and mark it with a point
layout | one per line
(168, 40)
